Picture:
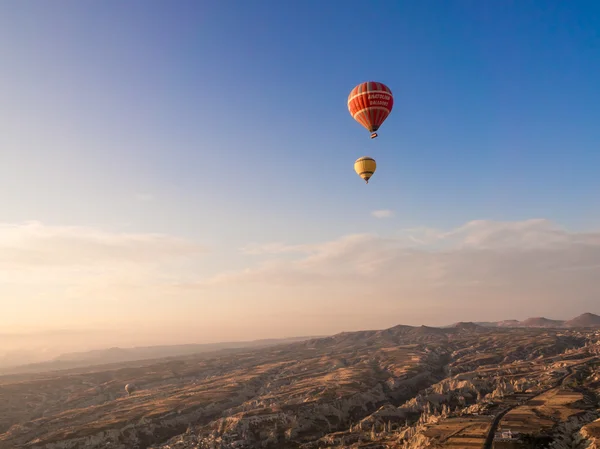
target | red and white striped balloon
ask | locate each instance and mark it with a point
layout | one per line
(370, 104)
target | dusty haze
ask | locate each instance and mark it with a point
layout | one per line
(78, 288)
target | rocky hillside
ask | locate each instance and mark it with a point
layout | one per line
(586, 320)
(355, 389)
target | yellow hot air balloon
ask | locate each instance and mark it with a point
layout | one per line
(365, 167)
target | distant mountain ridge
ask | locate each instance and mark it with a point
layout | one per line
(583, 320)
(139, 353)
(417, 333)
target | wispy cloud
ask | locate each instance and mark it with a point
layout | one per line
(382, 213)
(33, 245)
(65, 262)
(272, 248)
(480, 270)
(144, 197)
(533, 260)
(69, 276)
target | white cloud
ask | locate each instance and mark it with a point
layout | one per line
(45, 266)
(482, 270)
(33, 245)
(144, 197)
(67, 276)
(382, 213)
(256, 249)
(523, 264)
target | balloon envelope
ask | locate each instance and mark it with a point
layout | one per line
(130, 388)
(370, 104)
(365, 167)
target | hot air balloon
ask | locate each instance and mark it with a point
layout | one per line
(130, 388)
(370, 104)
(365, 167)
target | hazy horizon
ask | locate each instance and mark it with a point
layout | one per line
(40, 346)
(175, 174)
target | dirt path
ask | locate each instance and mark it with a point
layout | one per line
(489, 441)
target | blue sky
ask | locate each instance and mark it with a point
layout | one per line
(241, 106)
(226, 122)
